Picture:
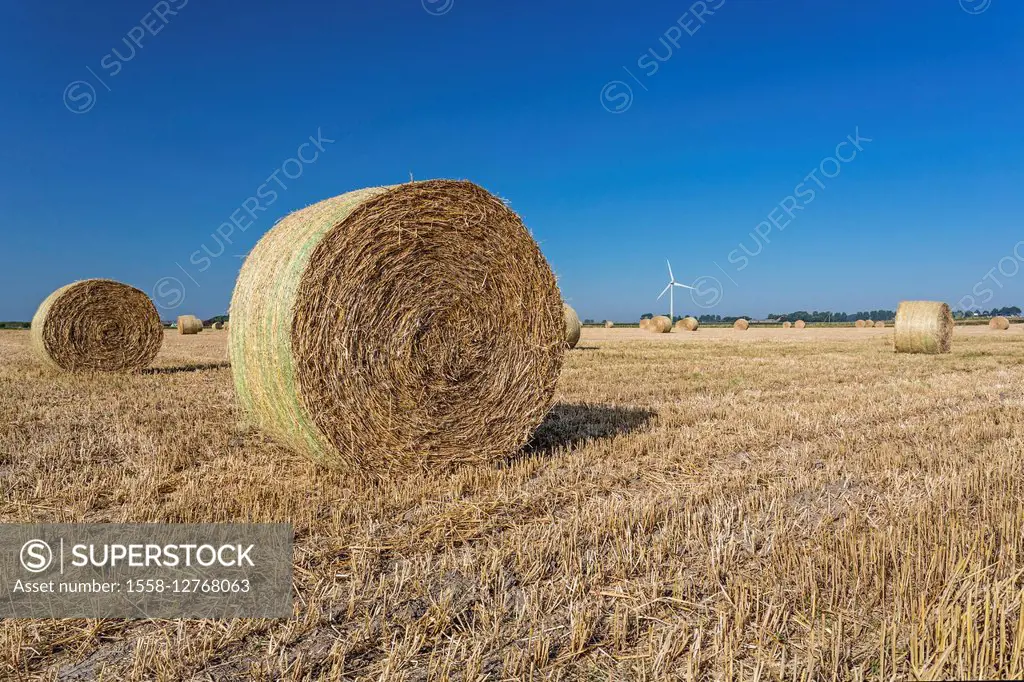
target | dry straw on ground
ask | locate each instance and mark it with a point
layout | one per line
(189, 324)
(398, 328)
(924, 327)
(741, 325)
(800, 324)
(572, 326)
(99, 325)
(690, 324)
(999, 323)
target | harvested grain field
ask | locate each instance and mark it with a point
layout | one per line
(703, 505)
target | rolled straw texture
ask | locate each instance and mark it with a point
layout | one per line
(572, 326)
(923, 327)
(189, 324)
(97, 325)
(401, 327)
(660, 325)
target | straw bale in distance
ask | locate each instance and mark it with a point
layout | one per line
(860, 324)
(741, 325)
(189, 324)
(645, 323)
(880, 324)
(923, 327)
(800, 324)
(395, 328)
(97, 325)
(787, 324)
(217, 325)
(572, 326)
(999, 323)
(660, 325)
(608, 324)
(690, 324)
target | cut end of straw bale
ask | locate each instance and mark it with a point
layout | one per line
(880, 324)
(645, 323)
(741, 325)
(572, 326)
(690, 324)
(787, 325)
(800, 324)
(397, 328)
(97, 325)
(924, 327)
(999, 323)
(608, 324)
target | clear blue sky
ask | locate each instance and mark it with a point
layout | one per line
(512, 95)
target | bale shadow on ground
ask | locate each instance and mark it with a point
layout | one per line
(196, 367)
(572, 424)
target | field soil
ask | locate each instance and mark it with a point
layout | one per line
(774, 503)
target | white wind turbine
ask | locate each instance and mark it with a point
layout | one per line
(671, 288)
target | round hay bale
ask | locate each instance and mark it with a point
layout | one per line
(800, 324)
(741, 325)
(217, 325)
(860, 324)
(787, 325)
(660, 325)
(189, 324)
(924, 327)
(999, 323)
(97, 325)
(608, 324)
(572, 326)
(869, 324)
(880, 324)
(645, 323)
(397, 328)
(690, 324)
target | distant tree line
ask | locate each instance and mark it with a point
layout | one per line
(829, 316)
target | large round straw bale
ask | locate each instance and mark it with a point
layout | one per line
(660, 325)
(98, 325)
(787, 324)
(690, 324)
(924, 327)
(645, 323)
(189, 324)
(999, 323)
(800, 324)
(860, 324)
(398, 327)
(742, 325)
(880, 324)
(217, 325)
(608, 324)
(572, 326)
(869, 324)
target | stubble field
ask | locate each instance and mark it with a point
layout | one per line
(718, 505)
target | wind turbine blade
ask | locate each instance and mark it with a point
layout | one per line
(664, 290)
(670, 275)
(683, 286)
